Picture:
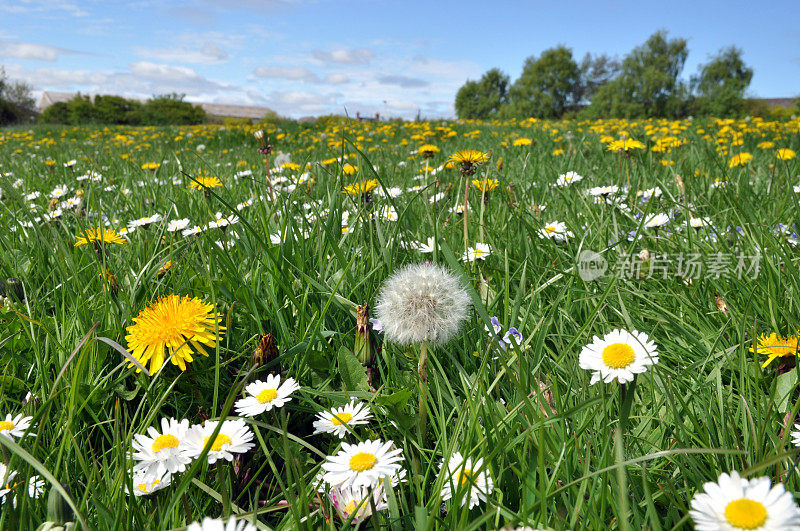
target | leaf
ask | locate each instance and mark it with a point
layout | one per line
(11, 384)
(354, 376)
(784, 387)
(397, 399)
(125, 393)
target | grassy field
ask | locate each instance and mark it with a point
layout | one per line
(695, 247)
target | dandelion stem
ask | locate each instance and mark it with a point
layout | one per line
(464, 214)
(422, 421)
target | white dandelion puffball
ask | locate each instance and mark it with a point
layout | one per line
(422, 303)
(733, 503)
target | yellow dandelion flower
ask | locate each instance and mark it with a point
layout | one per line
(557, 152)
(469, 156)
(785, 154)
(174, 325)
(349, 169)
(522, 142)
(152, 166)
(361, 187)
(98, 236)
(485, 185)
(625, 144)
(775, 346)
(766, 145)
(428, 150)
(740, 160)
(200, 183)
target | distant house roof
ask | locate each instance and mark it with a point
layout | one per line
(217, 109)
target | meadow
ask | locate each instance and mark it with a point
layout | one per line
(215, 273)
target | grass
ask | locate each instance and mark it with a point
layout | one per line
(562, 453)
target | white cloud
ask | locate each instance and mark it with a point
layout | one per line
(402, 81)
(30, 51)
(336, 79)
(291, 72)
(209, 53)
(148, 70)
(356, 56)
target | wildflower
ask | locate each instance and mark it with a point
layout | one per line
(266, 395)
(145, 221)
(466, 477)
(234, 437)
(151, 166)
(100, 236)
(363, 464)
(145, 483)
(653, 221)
(340, 420)
(796, 435)
(469, 159)
(427, 247)
(176, 324)
(598, 191)
(427, 150)
(218, 524)
(649, 194)
(740, 160)
(160, 453)
(479, 252)
(735, 503)
(565, 179)
(361, 188)
(202, 183)
(422, 303)
(522, 142)
(15, 427)
(59, 191)
(355, 503)
(175, 225)
(485, 185)
(512, 337)
(775, 346)
(556, 230)
(8, 484)
(785, 154)
(625, 144)
(619, 355)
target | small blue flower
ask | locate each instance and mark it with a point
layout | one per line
(514, 334)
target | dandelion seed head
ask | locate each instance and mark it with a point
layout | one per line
(422, 303)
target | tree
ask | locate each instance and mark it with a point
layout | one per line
(595, 71)
(546, 86)
(16, 103)
(648, 83)
(484, 98)
(116, 110)
(171, 109)
(722, 82)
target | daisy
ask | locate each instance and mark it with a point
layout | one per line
(796, 435)
(218, 524)
(556, 230)
(8, 485)
(465, 476)
(565, 179)
(15, 427)
(340, 419)
(734, 503)
(653, 221)
(177, 224)
(266, 395)
(145, 483)
(355, 503)
(162, 453)
(428, 247)
(233, 438)
(619, 355)
(362, 464)
(603, 190)
(479, 252)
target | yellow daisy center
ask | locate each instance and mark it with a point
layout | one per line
(266, 396)
(618, 355)
(6, 425)
(341, 418)
(220, 440)
(550, 229)
(165, 441)
(143, 486)
(478, 253)
(350, 507)
(362, 461)
(465, 477)
(745, 513)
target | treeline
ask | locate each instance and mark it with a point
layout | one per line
(16, 103)
(645, 83)
(170, 109)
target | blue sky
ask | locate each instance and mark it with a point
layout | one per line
(309, 57)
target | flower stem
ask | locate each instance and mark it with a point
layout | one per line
(422, 421)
